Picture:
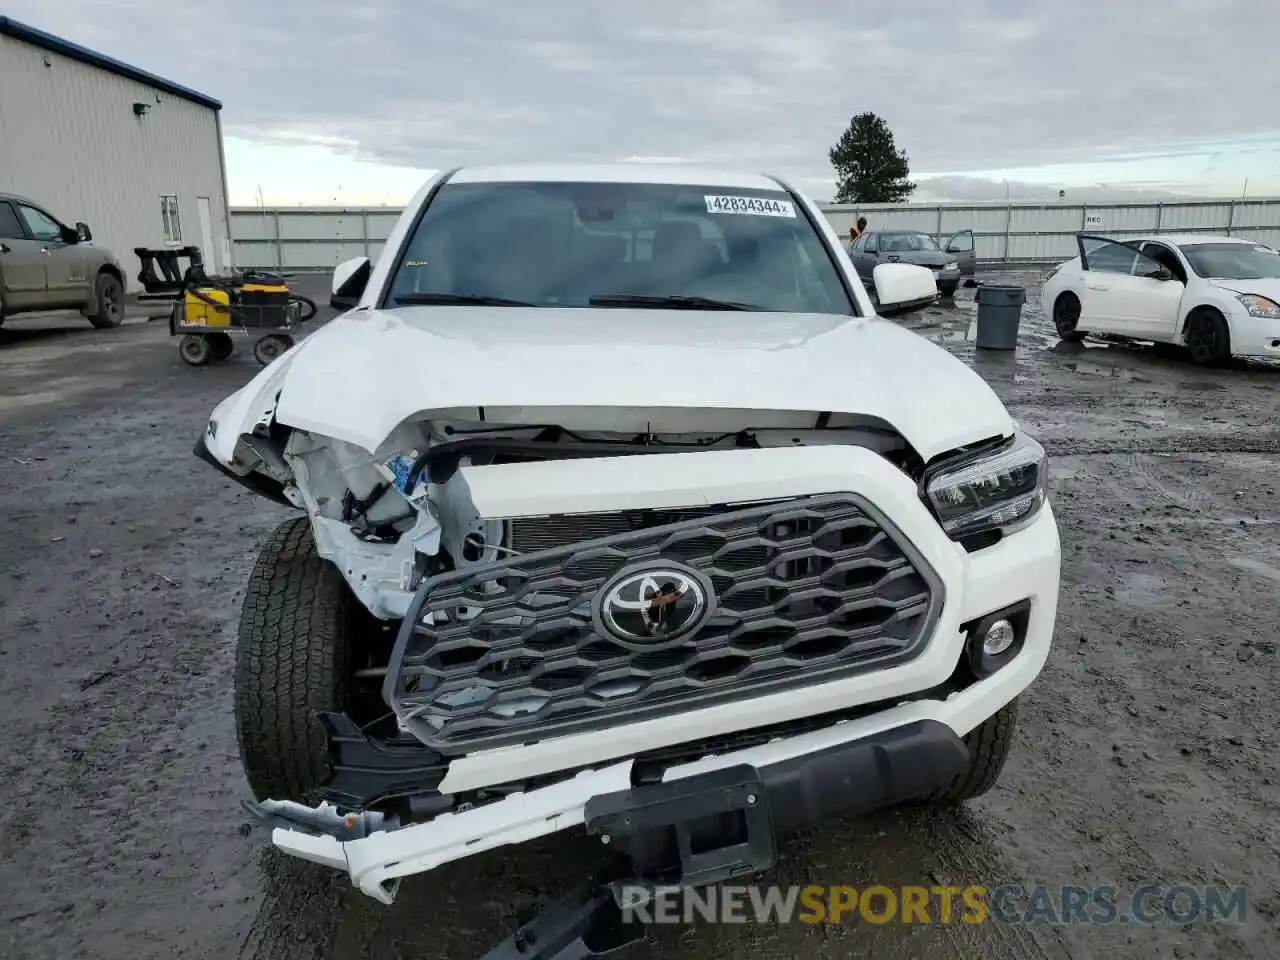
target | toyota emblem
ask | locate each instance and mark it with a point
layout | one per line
(654, 602)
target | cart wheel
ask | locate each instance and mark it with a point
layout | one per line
(270, 347)
(195, 349)
(222, 345)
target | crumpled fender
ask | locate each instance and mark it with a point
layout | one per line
(253, 403)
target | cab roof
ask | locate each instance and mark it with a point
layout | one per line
(655, 173)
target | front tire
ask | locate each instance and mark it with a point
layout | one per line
(1208, 337)
(221, 344)
(989, 745)
(1066, 318)
(948, 289)
(109, 298)
(293, 661)
(195, 349)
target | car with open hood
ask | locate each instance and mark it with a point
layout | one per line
(1219, 297)
(620, 508)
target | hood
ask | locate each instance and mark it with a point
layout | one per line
(1269, 288)
(359, 376)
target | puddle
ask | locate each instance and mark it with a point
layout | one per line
(1098, 370)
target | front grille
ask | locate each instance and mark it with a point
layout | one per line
(804, 591)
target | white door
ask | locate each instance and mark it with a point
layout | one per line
(1123, 293)
(206, 235)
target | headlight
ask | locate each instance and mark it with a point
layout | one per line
(998, 490)
(1260, 306)
(951, 266)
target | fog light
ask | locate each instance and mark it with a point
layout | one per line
(999, 638)
(994, 641)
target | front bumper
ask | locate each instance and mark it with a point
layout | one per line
(1251, 336)
(905, 742)
(780, 788)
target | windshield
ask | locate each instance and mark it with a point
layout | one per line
(618, 244)
(906, 242)
(1232, 261)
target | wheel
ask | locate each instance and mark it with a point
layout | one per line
(221, 344)
(304, 307)
(109, 295)
(195, 349)
(1066, 317)
(948, 289)
(1208, 337)
(270, 347)
(293, 660)
(988, 745)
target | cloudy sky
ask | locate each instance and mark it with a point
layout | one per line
(347, 102)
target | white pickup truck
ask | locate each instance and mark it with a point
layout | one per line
(621, 508)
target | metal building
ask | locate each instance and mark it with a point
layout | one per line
(136, 157)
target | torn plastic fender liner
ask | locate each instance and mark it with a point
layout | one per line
(262, 485)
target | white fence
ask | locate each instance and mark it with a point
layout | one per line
(318, 238)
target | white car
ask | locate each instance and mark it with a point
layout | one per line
(620, 508)
(1217, 296)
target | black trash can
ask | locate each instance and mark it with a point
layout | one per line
(999, 313)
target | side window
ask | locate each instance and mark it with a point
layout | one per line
(1106, 256)
(10, 227)
(872, 243)
(169, 218)
(1163, 256)
(39, 225)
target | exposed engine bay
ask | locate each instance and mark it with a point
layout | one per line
(389, 519)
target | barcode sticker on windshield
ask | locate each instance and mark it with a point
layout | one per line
(752, 206)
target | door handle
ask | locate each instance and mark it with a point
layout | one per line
(1100, 289)
(4, 248)
(45, 251)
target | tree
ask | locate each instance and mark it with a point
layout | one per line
(869, 166)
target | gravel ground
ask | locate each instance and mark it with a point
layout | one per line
(1145, 751)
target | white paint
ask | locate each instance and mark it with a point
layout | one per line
(207, 248)
(622, 359)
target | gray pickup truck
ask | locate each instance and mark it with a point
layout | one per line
(46, 265)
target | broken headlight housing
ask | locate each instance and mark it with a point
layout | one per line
(984, 495)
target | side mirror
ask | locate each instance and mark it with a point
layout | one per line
(903, 287)
(83, 233)
(349, 280)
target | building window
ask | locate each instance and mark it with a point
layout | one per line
(169, 217)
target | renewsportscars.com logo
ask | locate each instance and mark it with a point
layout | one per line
(1010, 903)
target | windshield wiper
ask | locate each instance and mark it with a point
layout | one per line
(463, 299)
(674, 303)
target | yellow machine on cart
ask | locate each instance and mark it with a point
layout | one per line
(212, 310)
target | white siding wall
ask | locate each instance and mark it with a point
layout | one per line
(69, 140)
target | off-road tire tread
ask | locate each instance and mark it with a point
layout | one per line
(292, 662)
(989, 744)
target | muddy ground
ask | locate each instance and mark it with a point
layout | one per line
(1146, 750)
